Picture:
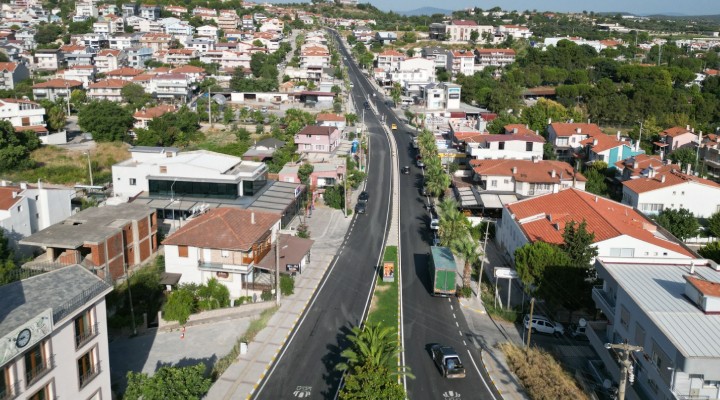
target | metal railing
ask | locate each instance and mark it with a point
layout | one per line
(90, 374)
(85, 337)
(10, 392)
(78, 301)
(39, 371)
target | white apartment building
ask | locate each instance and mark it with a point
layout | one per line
(180, 29)
(414, 74)
(48, 59)
(11, 74)
(109, 59)
(438, 55)
(54, 336)
(226, 59)
(55, 89)
(124, 41)
(460, 30)
(22, 112)
(442, 96)
(516, 31)
(150, 12)
(461, 62)
(137, 56)
(86, 9)
(389, 60)
(493, 58)
(107, 89)
(516, 147)
(208, 31)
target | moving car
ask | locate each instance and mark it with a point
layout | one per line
(420, 163)
(364, 196)
(360, 208)
(405, 170)
(448, 361)
(543, 324)
(393, 126)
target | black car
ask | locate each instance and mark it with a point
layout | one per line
(448, 361)
(360, 208)
(363, 198)
(405, 170)
(366, 105)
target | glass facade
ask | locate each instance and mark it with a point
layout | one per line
(194, 189)
(251, 188)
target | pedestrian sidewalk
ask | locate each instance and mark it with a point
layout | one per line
(327, 228)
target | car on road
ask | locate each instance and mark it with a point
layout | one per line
(405, 170)
(366, 105)
(434, 224)
(364, 196)
(360, 208)
(420, 163)
(393, 126)
(543, 324)
(448, 361)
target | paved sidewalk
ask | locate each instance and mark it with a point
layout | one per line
(327, 227)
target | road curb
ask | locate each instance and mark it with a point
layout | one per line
(487, 371)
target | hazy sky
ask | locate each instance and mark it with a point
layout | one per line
(686, 7)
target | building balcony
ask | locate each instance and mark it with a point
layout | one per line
(83, 338)
(604, 302)
(231, 268)
(10, 391)
(39, 371)
(89, 375)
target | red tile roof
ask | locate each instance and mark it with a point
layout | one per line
(57, 84)
(642, 160)
(526, 170)
(34, 128)
(569, 129)
(9, 66)
(188, 69)
(704, 286)
(391, 53)
(125, 71)
(666, 178)
(600, 143)
(330, 117)
(494, 51)
(6, 197)
(225, 228)
(110, 83)
(109, 52)
(675, 131)
(463, 22)
(521, 129)
(547, 215)
(317, 130)
(154, 112)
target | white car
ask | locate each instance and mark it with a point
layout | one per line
(543, 325)
(434, 224)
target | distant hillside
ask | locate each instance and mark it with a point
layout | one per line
(425, 11)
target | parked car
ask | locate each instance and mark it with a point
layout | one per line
(543, 324)
(360, 208)
(420, 163)
(434, 224)
(364, 196)
(405, 170)
(448, 361)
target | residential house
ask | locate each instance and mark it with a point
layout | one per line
(527, 146)
(620, 230)
(638, 166)
(179, 29)
(263, 150)
(248, 23)
(109, 59)
(461, 62)
(385, 38)
(566, 138)
(124, 41)
(107, 9)
(389, 60)
(55, 89)
(138, 56)
(516, 31)
(196, 74)
(145, 116)
(200, 174)
(413, 75)
(442, 96)
(54, 336)
(317, 139)
(77, 55)
(208, 31)
(672, 189)
(106, 240)
(129, 10)
(178, 56)
(493, 58)
(200, 44)
(149, 12)
(107, 89)
(82, 73)
(124, 73)
(669, 308)
(204, 12)
(227, 59)
(314, 57)
(11, 74)
(525, 178)
(228, 21)
(84, 10)
(609, 149)
(330, 119)
(22, 113)
(48, 59)
(156, 41)
(242, 258)
(177, 11)
(177, 87)
(438, 55)
(363, 34)
(150, 26)
(436, 31)
(324, 174)
(460, 30)
(677, 137)
(710, 155)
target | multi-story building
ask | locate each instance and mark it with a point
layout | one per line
(442, 96)
(461, 62)
(516, 31)
(156, 41)
(389, 60)
(525, 178)
(145, 116)
(150, 12)
(668, 307)
(109, 59)
(620, 230)
(77, 55)
(179, 29)
(86, 9)
(107, 89)
(106, 240)
(436, 31)
(639, 166)
(317, 139)
(438, 55)
(178, 56)
(124, 73)
(315, 57)
(172, 87)
(55, 89)
(671, 189)
(48, 59)
(508, 146)
(177, 11)
(460, 30)
(493, 58)
(82, 73)
(566, 138)
(124, 41)
(11, 74)
(413, 75)
(54, 336)
(138, 56)
(129, 10)
(22, 113)
(677, 137)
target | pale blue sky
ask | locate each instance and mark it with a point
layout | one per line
(686, 7)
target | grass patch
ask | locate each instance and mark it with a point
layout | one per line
(542, 376)
(255, 327)
(384, 309)
(488, 300)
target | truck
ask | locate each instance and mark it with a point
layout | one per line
(448, 361)
(442, 271)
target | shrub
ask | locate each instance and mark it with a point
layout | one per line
(287, 285)
(213, 295)
(266, 295)
(180, 304)
(303, 231)
(465, 291)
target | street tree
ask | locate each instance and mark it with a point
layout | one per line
(169, 383)
(684, 156)
(304, 172)
(711, 251)
(371, 382)
(228, 115)
(375, 345)
(467, 249)
(78, 98)
(135, 95)
(713, 224)
(532, 259)
(106, 120)
(396, 93)
(453, 225)
(681, 222)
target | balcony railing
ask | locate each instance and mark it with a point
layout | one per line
(89, 375)
(604, 302)
(39, 371)
(86, 336)
(10, 391)
(211, 266)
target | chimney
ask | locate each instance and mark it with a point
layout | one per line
(578, 130)
(536, 159)
(23, 185)
(618, 136)
(252, 218)
(14, 194)
(553, 173)
(549, 121)
(514, 170)
(40, 186)
(515, 130)
(687, 169)
(596, 199)
(595, 141)
(687, 127)
(636, 165)
(662, 179)
(692, 267)
(651, 172)
(3, 183)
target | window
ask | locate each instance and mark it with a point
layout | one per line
(493, 183)
(19, 208)
(7, 388)
(528, 146)
(624, 317)
(501, 146)
(163, 169)
(639, 335)
(42, 394)
(88, 368)
(506, 181)
(36, 363)
(224, 253)
(182, 251)
(657, 207)
(622, 252)
(84, 328)
(133, 181)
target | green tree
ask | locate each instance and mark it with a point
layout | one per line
(578, 244)
(532, 259)
(334, 196)
(371, 382)
(48, 33)
(684, 156)
(453, 225)
(15, 147)
(106, 120)
(711, 251)
(8, 268)
(56, 117)
(713, 224)
(228, 115)
(180, 305)
(396, 93)
(170, 129)
(467, 249)
(537, 115)
(77, 98)
(681, 222)
(304, 172)
(212, 295)
(595, 175)
(287, 284)
(374, 345)
(169, 383)
(474, 36)
(135, 95)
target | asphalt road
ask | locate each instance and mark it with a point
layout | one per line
(306, 367)
(427, 319)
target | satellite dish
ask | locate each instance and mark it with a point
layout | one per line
(582, 323)
(607, 383)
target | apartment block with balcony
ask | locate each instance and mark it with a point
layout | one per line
(670, 308)
(11, 74)
(48, 59)
(55, 89)
(107, 89)
(54, 336)
(493, 58)
(22, 113)
(172, 87)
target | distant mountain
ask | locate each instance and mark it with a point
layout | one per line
(425, 11)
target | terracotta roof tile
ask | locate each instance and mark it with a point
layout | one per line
(546, 216)
(330, 117)
(705, 287)
(110, 83)
(154, 112)
(527, 170)
(569, 129)
(57, 84)
(675, 131)
(317, 130)
(225, 228)
(6, 197)
(494, 51)
(8, 66)
(463, 22)
(666, 178)
(125, 71)
(521, 129)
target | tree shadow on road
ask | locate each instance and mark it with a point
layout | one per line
(188, 362)
(331, 376)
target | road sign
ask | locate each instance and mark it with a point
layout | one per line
(505, 273)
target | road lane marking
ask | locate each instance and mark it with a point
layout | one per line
(481, 376)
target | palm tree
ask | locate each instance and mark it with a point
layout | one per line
(375, 345)
(467, 249)
(436, 185)
(453, 224)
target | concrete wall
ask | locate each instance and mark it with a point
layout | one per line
(701, 200)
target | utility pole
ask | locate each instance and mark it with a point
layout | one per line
(482, 261)
(87, 153)
(637, 147)
(132, 310)
(209, 108)
(529, 333)
(277, 267)
(626, 372)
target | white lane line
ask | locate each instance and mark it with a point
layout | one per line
(481, 376)
(457, 324)
(454, 317)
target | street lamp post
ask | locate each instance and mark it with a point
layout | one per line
(637, 147)
(625, 364)
(87, 153)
